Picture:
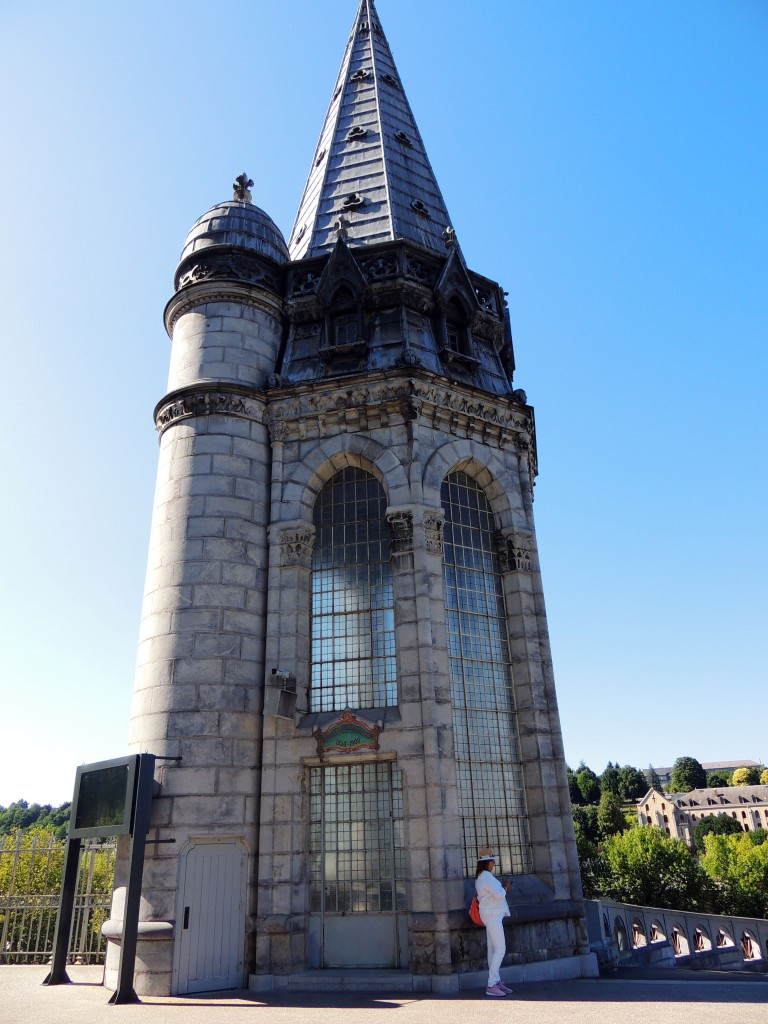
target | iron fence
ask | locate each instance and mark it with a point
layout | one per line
(31, 871)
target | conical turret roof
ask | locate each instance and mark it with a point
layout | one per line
(370, 178)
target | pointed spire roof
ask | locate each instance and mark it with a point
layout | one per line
(370, 178)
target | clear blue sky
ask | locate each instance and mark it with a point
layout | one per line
(606, 162)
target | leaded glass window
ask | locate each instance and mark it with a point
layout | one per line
(357, 842)
(353, 619)
(488, 764)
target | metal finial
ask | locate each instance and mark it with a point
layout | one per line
(449, 237)
(242, 186)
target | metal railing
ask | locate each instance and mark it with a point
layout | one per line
(31, 868)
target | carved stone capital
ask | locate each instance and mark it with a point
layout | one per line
(400, 523)
(433, 530)
(277, 430)
(515, 551)
(296, 545)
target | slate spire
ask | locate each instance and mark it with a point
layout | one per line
(370, 179)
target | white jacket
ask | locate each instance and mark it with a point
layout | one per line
(492, 897)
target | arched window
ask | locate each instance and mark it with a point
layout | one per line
(353, 619)
(488, 764)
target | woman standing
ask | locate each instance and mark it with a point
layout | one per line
(492, 898)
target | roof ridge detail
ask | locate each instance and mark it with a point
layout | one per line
(370, 179)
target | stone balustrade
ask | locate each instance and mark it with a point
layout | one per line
(622, 934)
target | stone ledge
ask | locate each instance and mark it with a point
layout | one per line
(147, 931)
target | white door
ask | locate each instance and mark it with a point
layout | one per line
(211, 920)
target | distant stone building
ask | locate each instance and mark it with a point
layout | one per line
(677, 814)
(344, 638)
(665, 774)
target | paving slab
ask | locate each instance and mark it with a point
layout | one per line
(675, 998)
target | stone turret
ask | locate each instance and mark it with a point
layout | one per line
(199, 678)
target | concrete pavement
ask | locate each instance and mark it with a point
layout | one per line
(629, 997)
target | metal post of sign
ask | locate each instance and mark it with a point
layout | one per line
(58, 972)
(125, 992)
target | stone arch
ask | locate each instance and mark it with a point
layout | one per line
(750, 945)
(657, 931)
(620, 936)
(306, 479)
(501, 486)
(638, 933)
(702, 943)
(679, 940)
(724, 939)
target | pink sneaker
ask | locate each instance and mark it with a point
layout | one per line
(495, 991)
(506, 989)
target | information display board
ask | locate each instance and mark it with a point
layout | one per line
(103, 800)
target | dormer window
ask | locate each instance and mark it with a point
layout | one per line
(454, 327)
(456, 344)
(345, 329)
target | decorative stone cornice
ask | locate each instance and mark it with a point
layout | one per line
(296, 546)
(515, 550)
(400, 523)
(221, 290)
(433, 530)
(495, 421)
(207, 400)
(226, 265)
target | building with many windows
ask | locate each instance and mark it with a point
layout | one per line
(677, 814)
(344, 642)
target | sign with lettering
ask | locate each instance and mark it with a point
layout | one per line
(348, 735)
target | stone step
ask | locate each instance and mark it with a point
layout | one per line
(358, 980)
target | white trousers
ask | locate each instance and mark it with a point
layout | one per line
(497, 947)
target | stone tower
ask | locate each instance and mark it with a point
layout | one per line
(344, 653)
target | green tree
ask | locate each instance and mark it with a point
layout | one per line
(687, 774)
(651, 869)
(764, 777)
(715, 824)
(633, 783)
(719, 778)
(610, 780)
(745, 777)
(592, 865)
(588, 783)
(573, 788)
(739, 868)
(585, 818)
(610, 815)
(654, 782)
(21, 815)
